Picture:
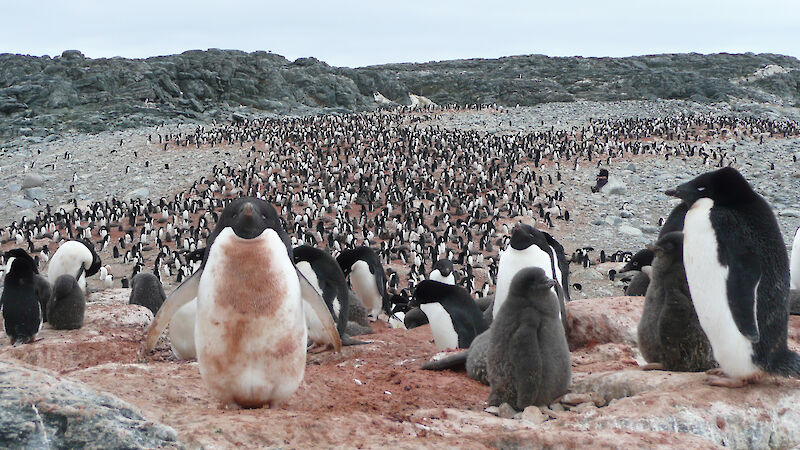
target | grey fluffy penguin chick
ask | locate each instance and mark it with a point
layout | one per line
(681, 344)
(67, 305)
(528, 361)
(147, 291)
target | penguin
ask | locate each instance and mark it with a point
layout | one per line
(442, 271)
(529, 247)
(181, 331)
(528, 361)
(43, 291)
(22, 313)
(327, 278)
(367, 277)
(738, 273)
(67, 304)
(454, 316)
(77, 258)
(250, 332)
(794, 268)
(147, 291)
(414, 318)
(670, 336)
(640, 281)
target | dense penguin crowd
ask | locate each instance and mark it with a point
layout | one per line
(390, 198)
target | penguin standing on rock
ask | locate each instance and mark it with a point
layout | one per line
(67, 304)
(528, 361)
(250, 331)
(669, 334)
(22, 313)
(738, 274)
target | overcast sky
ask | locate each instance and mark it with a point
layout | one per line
(359, 33)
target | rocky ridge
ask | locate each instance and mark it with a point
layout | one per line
(40, 96)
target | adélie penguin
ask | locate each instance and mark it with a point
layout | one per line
(250, 332)
(327, 278)
(367, 277)
(454, 316)
(738, 273)
(22, 313)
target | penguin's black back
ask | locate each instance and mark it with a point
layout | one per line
(467, 318)
(331, 280)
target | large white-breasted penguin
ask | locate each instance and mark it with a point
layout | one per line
(77, 258)
(530, 247)
(738, 273)
(250, 331)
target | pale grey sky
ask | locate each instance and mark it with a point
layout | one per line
(358, 33)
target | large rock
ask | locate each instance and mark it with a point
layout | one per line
(40, 410)
(603, 320)
(765, 415)
(32, 180)
(112, 331)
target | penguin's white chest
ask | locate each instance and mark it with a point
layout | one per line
(313, 323)
(181, 331)
(363, 282)
(708, 286)
(511, 262)
(444, 332)
(250, 330)
(795, 262)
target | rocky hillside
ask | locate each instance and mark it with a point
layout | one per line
(43, 95)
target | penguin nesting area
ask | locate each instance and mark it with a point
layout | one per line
(416, 186)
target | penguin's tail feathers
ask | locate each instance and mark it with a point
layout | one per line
(786, 363)
(457, 361)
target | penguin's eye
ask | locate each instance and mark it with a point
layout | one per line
(701, 188)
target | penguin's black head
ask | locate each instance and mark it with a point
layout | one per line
(525, 235)
(669, 244)
(22, 266)
(725, 187)
(429, 291)
(640, 259)
(96, 262)
(249, 217)
(445, 267)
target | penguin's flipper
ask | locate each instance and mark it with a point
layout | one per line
(81, 270)
(313, 299)
(456, 361)
(744, 276)
(184, 293)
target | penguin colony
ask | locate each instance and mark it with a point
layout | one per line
(395, 194)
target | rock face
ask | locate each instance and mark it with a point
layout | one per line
(42, 95)
(38, 410)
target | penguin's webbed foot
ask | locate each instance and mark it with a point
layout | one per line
(652, 366)
(731, 382)
(319, 348)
